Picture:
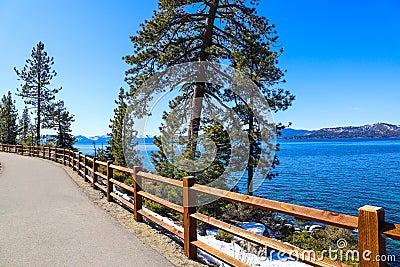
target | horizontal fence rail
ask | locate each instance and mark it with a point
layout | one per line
(370, 222)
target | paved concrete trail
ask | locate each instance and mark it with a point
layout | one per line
(46, 220)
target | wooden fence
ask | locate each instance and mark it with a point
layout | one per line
(370, 222)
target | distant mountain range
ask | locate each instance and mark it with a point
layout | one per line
(377, 130)
(293, 133)
(99, 139)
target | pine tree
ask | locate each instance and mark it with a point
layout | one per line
(221, 31)
(61, 121)
(36, 90)
(116, 142)
(8, 120)
(24, 126)
(214, 132)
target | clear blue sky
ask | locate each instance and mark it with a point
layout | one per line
(342, 57)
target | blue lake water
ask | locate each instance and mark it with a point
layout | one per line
(337, 175)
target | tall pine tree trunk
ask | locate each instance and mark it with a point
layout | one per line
(38, 119)
(39, 102)
(250, 161)
(199, 88)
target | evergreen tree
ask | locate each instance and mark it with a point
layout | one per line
(213, 131)
(61, 121)
(116, 150)
(220, 31)
(24, 126)
(36, 90)
(32, 135)
(8, 120)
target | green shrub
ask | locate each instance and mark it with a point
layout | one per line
(224, 236)
(324, 240)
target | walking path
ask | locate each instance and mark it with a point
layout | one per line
(46, 220)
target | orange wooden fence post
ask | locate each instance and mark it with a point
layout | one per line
(371, 244)
(73, 161)
(94, 170)
(189, 224)
(109, 184)
(79, 163)
(85, 170)
(63, 157)
(137, 204)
